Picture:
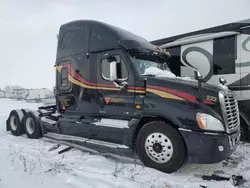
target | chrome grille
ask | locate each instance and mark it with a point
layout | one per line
(230, 110)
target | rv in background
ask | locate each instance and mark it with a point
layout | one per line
(36, 95)
(221, 51)
(49, 99)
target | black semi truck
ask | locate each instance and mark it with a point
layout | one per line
(115, 93)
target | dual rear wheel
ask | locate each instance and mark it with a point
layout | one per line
(21, 122)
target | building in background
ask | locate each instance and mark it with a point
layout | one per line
(2, 94)
(15, 92)
(43, 95)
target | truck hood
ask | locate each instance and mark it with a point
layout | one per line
(182, 89)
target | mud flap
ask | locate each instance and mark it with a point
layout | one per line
(7, 124)
(37, 115)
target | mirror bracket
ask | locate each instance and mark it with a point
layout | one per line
(222, 81)
(123, 86)
(198, 77)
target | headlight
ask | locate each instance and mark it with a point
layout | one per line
(208, 122)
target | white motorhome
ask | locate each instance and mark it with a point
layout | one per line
(49, 99)
(221, 51)
(36, 95)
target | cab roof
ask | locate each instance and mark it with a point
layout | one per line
(89, 36)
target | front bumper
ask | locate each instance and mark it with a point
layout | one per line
(208, 148)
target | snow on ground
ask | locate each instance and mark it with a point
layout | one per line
(29, 163)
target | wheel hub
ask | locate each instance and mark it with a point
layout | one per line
(30, 125)
(13, 122)
(158, 147)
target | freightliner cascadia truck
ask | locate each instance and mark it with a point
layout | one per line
(115, 94)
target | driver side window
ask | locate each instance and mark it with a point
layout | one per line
(122, 72)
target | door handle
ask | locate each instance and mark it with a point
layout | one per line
(101, 102)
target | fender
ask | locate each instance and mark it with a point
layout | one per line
(168, 117)
(180, 113)
(24, 111)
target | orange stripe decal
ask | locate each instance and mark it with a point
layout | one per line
(75, 78)
(164, 94)
(180, 94)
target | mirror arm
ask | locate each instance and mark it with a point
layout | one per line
(116, 85)
(122, 86)
(199, 84)
(198, 77)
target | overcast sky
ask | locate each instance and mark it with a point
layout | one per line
(28, 28)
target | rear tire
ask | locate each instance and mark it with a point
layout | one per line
(15, 123)
(31, 126)
(160, 146)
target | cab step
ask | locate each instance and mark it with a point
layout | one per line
(98, 145)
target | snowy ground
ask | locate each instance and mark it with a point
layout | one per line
(29, 163)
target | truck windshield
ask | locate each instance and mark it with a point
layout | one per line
(150, 63)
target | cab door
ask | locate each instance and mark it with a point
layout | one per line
(114, 102)
(115, 106)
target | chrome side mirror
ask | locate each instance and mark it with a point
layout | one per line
(113, 71)
(197, 75)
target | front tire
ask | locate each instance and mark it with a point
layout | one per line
(31, 126)
(161, 146)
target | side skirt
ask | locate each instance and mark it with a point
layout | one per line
(97, 145)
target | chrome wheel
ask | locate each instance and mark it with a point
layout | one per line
(158, 147)
(13, 122)
(30, 125)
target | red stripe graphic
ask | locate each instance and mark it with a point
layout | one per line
(181, 94)
(75, 75)
(207, 102)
